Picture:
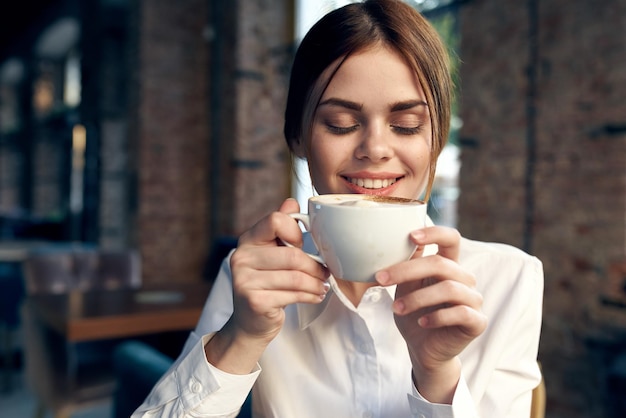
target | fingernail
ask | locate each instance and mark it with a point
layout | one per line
(382, 277)
(398, 307)
(326, 287)
(423, 322)
(418, 235)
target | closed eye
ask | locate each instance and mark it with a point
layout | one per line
(341, 130)
(407, 130)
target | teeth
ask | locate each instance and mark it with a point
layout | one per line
(372, 183)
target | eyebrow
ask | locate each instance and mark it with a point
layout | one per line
(342, 103)
(395, 107)
(409, 104)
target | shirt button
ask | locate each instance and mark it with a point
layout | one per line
(364, 348)
(375, 297)
(196, 387)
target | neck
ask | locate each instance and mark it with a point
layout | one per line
(354, 291)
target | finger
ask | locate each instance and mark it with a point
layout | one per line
(432, 266)
(419, 251)
(275, 225)
(263, 302)
(470, 321)
(447, 239)
(289, 280)
(290, 205)
(444, 293)
(274, 259)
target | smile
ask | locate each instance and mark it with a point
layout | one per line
(372, 183)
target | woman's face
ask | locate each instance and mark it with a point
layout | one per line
(371, 131)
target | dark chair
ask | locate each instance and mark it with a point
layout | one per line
(62, 379)
(616, 386)
(138, 367)
(69, 376)
(107, 269)
(11, 296)
(48, 272)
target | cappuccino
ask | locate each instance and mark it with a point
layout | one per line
(358, 235)
(363, 200)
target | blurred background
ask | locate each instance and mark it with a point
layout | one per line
(156, 126)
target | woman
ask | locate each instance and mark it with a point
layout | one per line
(452, 332)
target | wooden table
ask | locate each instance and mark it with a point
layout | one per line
(107, 314)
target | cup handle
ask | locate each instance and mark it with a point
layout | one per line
(304, 218)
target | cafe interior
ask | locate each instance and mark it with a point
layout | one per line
(139, 139)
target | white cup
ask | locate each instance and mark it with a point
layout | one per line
(357, 235)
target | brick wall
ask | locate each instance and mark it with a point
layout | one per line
(211, 82)
(261, 158)
(171, 129)
(551, 95)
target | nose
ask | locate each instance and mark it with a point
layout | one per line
(374, 144)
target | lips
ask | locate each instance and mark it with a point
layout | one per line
(369, 183)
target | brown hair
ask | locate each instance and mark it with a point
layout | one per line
(357, 27)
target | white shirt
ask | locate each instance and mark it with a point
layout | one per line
(335, 360)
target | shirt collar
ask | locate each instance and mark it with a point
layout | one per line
(308, 312)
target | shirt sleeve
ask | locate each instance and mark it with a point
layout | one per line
(192, 387)
(462, 404)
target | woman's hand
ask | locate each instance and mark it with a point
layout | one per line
(267, 276)
(437, 310)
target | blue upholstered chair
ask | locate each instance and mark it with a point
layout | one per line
(11, 296)
(138, 367)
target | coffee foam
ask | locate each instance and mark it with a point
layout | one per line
(361, 203)
(363, 200)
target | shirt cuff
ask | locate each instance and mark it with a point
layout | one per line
(208, 390)
(462, 404)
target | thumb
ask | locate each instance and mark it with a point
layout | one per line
(291, 236)
(290, 205)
